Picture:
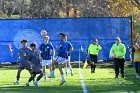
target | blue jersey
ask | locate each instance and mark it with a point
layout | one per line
(24, 52)
(34, 57)
(63, 50)
(69, 45)
(46, 51)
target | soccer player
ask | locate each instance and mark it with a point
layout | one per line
(119, 51)
(24, 62)
(34, 57)
(70, 49)
(61, 58)
(93, 51)
(47, 53)
(136, 51)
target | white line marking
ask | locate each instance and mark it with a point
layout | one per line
(82, 81)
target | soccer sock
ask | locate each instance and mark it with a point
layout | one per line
(52, 73)
(94, 67)
(62, 77)
(66, 70)
(39, 77)
(70, 69)
(18, 78)
(30, 79)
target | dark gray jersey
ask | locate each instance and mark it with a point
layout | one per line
(24, 52)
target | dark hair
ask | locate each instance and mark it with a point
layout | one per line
(24, 41)
(33, 45)
(62, 34)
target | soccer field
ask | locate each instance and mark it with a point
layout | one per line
(102, 81)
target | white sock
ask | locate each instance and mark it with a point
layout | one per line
(66, 70)
(62, 77)
(70, 68)
(52, 73)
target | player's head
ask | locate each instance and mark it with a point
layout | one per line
(118, 40)
(24, 43)
(46, 39)
(33, 46)
(66, 38)
(95, 41)
(62, 36)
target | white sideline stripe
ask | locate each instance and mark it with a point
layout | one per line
(82, 81)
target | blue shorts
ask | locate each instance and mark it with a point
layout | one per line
(26, 65)
(36, 70)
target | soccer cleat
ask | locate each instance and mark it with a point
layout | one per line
(62, 82)
(27, 84)
(71, 74)
(36, 83)
(17, 82)
(122, 75)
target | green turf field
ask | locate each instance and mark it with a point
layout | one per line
(102, 81)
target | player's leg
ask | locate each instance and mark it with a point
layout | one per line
(69, 66)
(54, 61)
(60, 66)
(30, 79)
(66, 68)
(61, 63)
(94, 58)
(20, 68)
(137, 69)
(29, 68)
(116, 67)
(18, 76)
(38, 78)
(44, 63)
(121, 63)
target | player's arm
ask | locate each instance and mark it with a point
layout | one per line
(99, 47)
(124, 51)
(71, 48)
(40, 58)
(88, 51)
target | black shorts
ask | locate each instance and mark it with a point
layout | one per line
(93, 58)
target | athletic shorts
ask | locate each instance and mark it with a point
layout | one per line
(36, 70)
(46, 62)
(61, 60)
(93, 58)
(26, 65)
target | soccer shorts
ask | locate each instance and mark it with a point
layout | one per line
(46, 62)
(93, 58)
(26, 65)
(61, 60)
(36, 70)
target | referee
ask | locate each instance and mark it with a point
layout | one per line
(93, 51)
(119, 51)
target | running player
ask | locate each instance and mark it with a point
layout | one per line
(70, 49)
(47, 53)
(23, 56)
(34, 57)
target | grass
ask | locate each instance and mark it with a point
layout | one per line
(102, 81)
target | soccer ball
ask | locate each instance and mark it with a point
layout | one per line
(112, 55)
(43, 33)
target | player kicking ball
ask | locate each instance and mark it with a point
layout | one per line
(61, 58)
(24, 62)
(47, 53)
(34, 57)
